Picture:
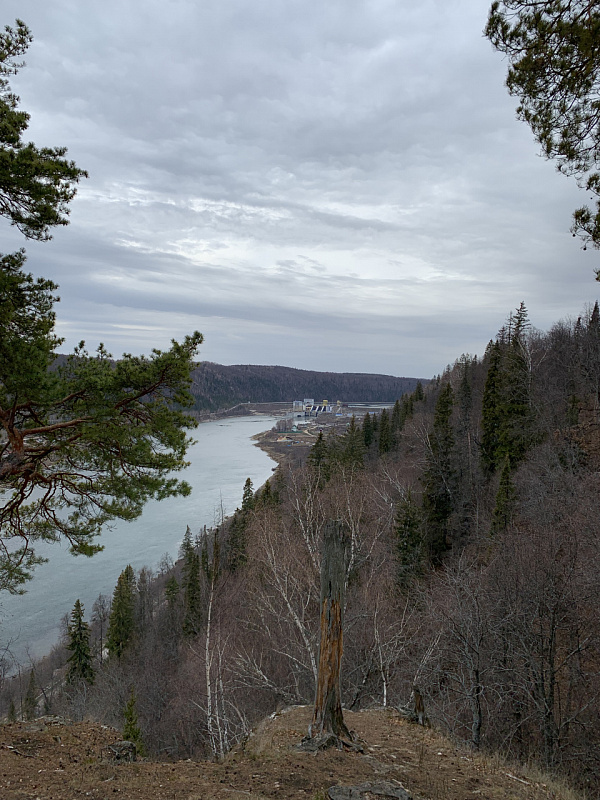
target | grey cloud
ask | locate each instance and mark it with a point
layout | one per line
(343, 182)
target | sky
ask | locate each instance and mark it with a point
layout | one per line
(338, 186)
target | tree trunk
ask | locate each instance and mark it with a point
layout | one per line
(328, 717)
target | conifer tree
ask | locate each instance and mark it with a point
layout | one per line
(131, 729)
(419, 394)
(30, 702)
(320, 457)
(192, 600)
(248, 496)
(516, 434)
(121, 624)
(506, 499)
(491, 414)
(385, 433)
(12, 711)
(80, 661)
(351, 451)
(367, 430)
(440, 475)
(172, 592)
(409, 541)
(396, 420)
(406, 408)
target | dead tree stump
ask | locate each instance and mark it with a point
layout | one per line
(328, 720)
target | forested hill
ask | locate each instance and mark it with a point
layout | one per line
(216, 386)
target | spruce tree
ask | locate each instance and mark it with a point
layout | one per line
(506, 500)
(80, 661)
(396, 420)
(409, 541)
(248, 496)
(172, 593)
(190, 581)
(385, 433)
(516, 434)
(30, 702)
(419, 394)
(351, 453)
(491, 413)
(440, 476)
(131, 729)
(121, 624)
(367, 430)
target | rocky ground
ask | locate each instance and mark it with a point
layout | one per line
(50, 759)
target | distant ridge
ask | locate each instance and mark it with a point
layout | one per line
(216, 386)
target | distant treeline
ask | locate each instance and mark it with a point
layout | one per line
(216, 386)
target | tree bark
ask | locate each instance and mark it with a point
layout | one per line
(328, 717)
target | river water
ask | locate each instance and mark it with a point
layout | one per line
(222, 458)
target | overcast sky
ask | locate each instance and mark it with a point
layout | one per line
(337, 185)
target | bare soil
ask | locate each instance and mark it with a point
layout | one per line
(51, 759)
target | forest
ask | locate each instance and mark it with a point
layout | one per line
(472, 579)
(215, 386)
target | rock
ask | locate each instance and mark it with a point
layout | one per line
(363, 791)
(122, 751)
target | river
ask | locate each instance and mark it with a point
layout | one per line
(222, 458)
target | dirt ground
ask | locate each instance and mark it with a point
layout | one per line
(50, 759)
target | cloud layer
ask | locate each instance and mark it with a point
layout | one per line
(337, 186)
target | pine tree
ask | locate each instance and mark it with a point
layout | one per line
(80, 661)
(419, 394)
(121, 624)
(440, 476)
(131, 729)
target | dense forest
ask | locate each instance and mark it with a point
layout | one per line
(216, 387)
(473, 576)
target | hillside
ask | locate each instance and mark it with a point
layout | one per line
(50, 760)
(216, 386)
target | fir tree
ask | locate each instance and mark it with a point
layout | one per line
(192, 600)
(396, 420)
(409, 541)
(121, 624)
(419, 394)
(440, 475)
(506, 500)
(30, 702)
(172, 593)
(248, 496)
(351, 452)
(367, 430)
(80, 661)
(516, 434)
(131, 729)
(491, 413)
(385, 433)
(320, 457)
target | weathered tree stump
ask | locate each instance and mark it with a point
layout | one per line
(328, 720)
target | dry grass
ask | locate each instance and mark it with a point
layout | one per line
(57, 762)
